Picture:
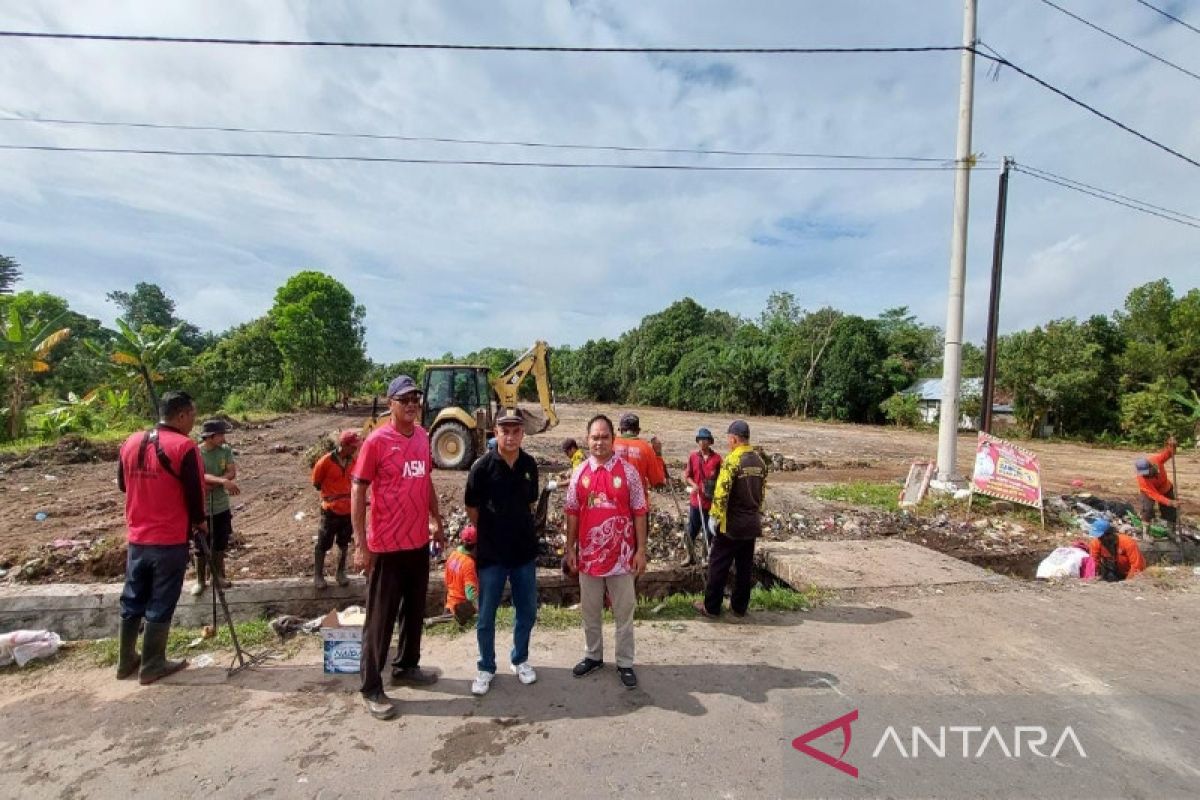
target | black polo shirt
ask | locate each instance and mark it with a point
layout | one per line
(504, 497)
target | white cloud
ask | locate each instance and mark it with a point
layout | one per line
(456, 258)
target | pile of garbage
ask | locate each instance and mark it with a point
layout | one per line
(1084, 509)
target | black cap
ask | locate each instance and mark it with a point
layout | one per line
(569, 444)
(739, 428)
(630, 422)
(400, 386)
(212, 427)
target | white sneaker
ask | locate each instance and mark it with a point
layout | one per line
(524, 672)
(482, 682)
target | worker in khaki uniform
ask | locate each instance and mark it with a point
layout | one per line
(735, 520)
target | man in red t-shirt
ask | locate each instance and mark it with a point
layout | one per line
(606, 543)
(395, 462)
(703, 467)
(162, 476)
(331, 477)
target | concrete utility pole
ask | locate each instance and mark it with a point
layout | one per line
(952, 360)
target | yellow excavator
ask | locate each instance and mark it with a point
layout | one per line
(460, 404)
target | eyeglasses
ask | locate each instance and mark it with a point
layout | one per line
(408, 400)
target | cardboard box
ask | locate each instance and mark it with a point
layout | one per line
(341, 636)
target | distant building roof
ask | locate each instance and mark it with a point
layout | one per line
(931, 388)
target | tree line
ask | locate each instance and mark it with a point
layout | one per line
(1131, 375)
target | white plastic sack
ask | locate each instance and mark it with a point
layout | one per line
(1064, 562)
(24, 646)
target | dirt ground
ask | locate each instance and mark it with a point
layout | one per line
(81, 537)
(715, 714)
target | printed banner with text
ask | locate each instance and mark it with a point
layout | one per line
(1006, 471)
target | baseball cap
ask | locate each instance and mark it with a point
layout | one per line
(704, 433)
(739, 427)
(630, 422)
(212, 427)
(1142, 465)
(469, 535)
(402, 385)
(509, 415)
(1099, 528)
(569, 444)
(349, 437)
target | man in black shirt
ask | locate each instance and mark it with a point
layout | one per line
(501, 490)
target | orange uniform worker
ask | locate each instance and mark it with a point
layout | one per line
(641, 454)
(1156, 489)
(331, 477)
(462, 582)
(1116, 555)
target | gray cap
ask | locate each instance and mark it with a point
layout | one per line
(630, 422)
(212, 427)
(402, 385)
(739, 428)
(1142, 465)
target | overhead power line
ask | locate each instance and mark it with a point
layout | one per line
(97, 37)
(477, 162)
(1171, 17)
(1111, 197)
(1125, 42)
(999, 59)
(495, 142)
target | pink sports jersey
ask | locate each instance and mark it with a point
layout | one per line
(606, 498)
(399, 469)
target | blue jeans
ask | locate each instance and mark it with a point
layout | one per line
(523, 580)
(153, 580)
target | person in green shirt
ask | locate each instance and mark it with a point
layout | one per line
(220, 479)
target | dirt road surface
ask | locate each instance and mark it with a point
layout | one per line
(81, 538)
(715, 715)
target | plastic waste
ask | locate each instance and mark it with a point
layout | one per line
(41, 516)
(298, 516)
(201, 661)
(1063, 562)
(25, 646)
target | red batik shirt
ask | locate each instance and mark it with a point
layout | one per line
(606, 498)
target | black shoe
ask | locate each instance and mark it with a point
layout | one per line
(586, 666)
(379, 706)
(413, 676)
(627, 677)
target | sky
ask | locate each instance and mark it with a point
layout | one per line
(456, 258)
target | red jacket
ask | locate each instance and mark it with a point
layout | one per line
(160, 508)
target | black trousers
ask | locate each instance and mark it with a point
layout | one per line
(396, 592)
(333, 527)
(727, 552)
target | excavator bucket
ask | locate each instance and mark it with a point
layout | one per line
(534, 422)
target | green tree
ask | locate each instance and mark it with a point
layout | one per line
(318, 329)
(653, 349)
(745, 367)
(147, 355)
(148, 304)
(799, 354)
(1151, 415)
(10, 273)
(589, 373)
(1161, 335)
(25, 347)
(72, 366)
(913, 348)
(242, 357)
(902, 409)
(1052, 372)
(851, 383)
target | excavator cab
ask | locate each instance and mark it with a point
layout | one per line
(457, 407)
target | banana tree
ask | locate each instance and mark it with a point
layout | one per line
(143, 354)
(1192, 404)
(25, 351)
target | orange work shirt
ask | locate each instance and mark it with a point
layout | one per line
(1157, 486)
(1129, 557)
(461, 581)
(641, 455)
(332, 479)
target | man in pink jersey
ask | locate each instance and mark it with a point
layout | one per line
(395, 462)
(606, 544)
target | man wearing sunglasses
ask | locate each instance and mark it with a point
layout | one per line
(396, 463)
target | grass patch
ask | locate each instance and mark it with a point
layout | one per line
(672, 607)
(1166, 576)
(252, 635)
(862, 493)
(28, 444)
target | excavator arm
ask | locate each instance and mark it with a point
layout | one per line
(507, 385)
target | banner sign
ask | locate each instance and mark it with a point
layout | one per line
(1006, 471)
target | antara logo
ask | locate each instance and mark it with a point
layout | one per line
(1031, 739)
(414, 469)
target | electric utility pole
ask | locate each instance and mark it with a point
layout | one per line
(989, 363)
(952, 360)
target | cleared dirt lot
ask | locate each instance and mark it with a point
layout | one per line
(81, 538)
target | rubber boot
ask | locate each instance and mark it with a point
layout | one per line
(128, 660)
(319, 568)
(342, 580)
(201, 571)
(219, 569)
(690, 545)
(154, 654)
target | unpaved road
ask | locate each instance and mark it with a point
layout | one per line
(275, 516)
(718, 706)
